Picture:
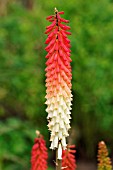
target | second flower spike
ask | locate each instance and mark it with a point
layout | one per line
(58, 79)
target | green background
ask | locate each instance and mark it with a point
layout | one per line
(22, 77)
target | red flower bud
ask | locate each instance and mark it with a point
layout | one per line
(39, 154)
(68, 158)
(61, 12)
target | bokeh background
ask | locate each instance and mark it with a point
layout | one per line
(22, 77)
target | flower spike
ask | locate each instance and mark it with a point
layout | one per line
(104, 162)
(39, 153)
(58, 80)
(68, 158)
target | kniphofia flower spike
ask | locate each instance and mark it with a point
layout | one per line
(39, 153)
(104, 162)
(68, 158)
(58, 80)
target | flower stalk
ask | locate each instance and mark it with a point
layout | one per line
(58, 81)
(58, 161)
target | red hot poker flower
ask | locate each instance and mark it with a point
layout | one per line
(39, 154)
(68, 159)
(104, 162)
(58, 79)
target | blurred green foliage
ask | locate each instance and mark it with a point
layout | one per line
(22, 80)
